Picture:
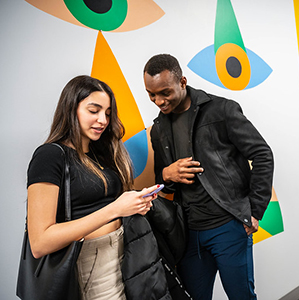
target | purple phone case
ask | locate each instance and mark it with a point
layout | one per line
(155, 191)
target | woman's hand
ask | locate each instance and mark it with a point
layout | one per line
(133, 202)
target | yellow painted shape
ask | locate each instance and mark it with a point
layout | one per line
(56, 8)
(106, 68)
(296, 9)
(260, 235)
(140, 14)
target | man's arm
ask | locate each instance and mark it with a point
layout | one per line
(253, 147)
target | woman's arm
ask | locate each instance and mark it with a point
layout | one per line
(47, 236)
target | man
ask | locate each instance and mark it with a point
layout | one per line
(202, 144)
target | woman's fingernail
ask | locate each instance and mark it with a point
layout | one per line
(158, 185)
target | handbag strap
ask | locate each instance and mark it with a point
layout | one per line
(67, 200)
(67, 184)
(67, 196)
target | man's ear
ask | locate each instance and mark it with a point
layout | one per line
(183, 82)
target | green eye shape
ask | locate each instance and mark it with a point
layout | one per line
(103, 15)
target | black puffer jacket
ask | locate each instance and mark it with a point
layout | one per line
(168, 224)
(142, 269)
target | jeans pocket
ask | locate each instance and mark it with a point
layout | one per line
(87, 271)
(240, 227)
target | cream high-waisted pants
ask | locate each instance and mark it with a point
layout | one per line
(99, 267)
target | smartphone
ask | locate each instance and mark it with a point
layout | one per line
(155, 191)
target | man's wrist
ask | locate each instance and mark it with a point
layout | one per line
(165, 177)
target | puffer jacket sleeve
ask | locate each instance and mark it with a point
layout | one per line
(168, 223)
(142, 269)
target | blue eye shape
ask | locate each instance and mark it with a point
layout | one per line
(203, 64)
(138, 151)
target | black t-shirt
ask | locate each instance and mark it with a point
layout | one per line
(87, 189)
(202, 211)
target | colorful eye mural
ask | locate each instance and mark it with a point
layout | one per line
(116, 16)
(228, 63)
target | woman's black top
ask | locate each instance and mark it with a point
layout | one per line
(87, 189)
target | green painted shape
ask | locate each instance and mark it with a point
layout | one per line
(226, 26)
(272, 220)
(110, 20)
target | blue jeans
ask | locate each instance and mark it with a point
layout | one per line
(226, 248)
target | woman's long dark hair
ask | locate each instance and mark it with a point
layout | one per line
(66, 129)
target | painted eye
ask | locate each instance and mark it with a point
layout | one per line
(103, 15)
(228, 63)
(231, 68)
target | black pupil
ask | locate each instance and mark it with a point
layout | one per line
(99, 6)
(233, 67)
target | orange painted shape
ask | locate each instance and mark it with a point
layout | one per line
(222, 55)
(56, 8)
(106, 68)
(274, 197)
(296, 9)
(140, 14)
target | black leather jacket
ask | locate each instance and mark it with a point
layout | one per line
(223, 141)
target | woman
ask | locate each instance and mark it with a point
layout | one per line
(87, 126)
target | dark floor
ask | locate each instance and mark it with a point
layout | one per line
(293, 295)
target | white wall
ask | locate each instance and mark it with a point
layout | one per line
(40, 53)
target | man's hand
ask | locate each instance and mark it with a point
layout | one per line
(182, 171)
(254, 227)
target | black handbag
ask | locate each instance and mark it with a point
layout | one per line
(53, 276)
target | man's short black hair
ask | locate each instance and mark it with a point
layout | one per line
(161, 62)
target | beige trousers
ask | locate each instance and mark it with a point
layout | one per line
(99, 267)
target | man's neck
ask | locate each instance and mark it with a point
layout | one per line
(184, 105)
